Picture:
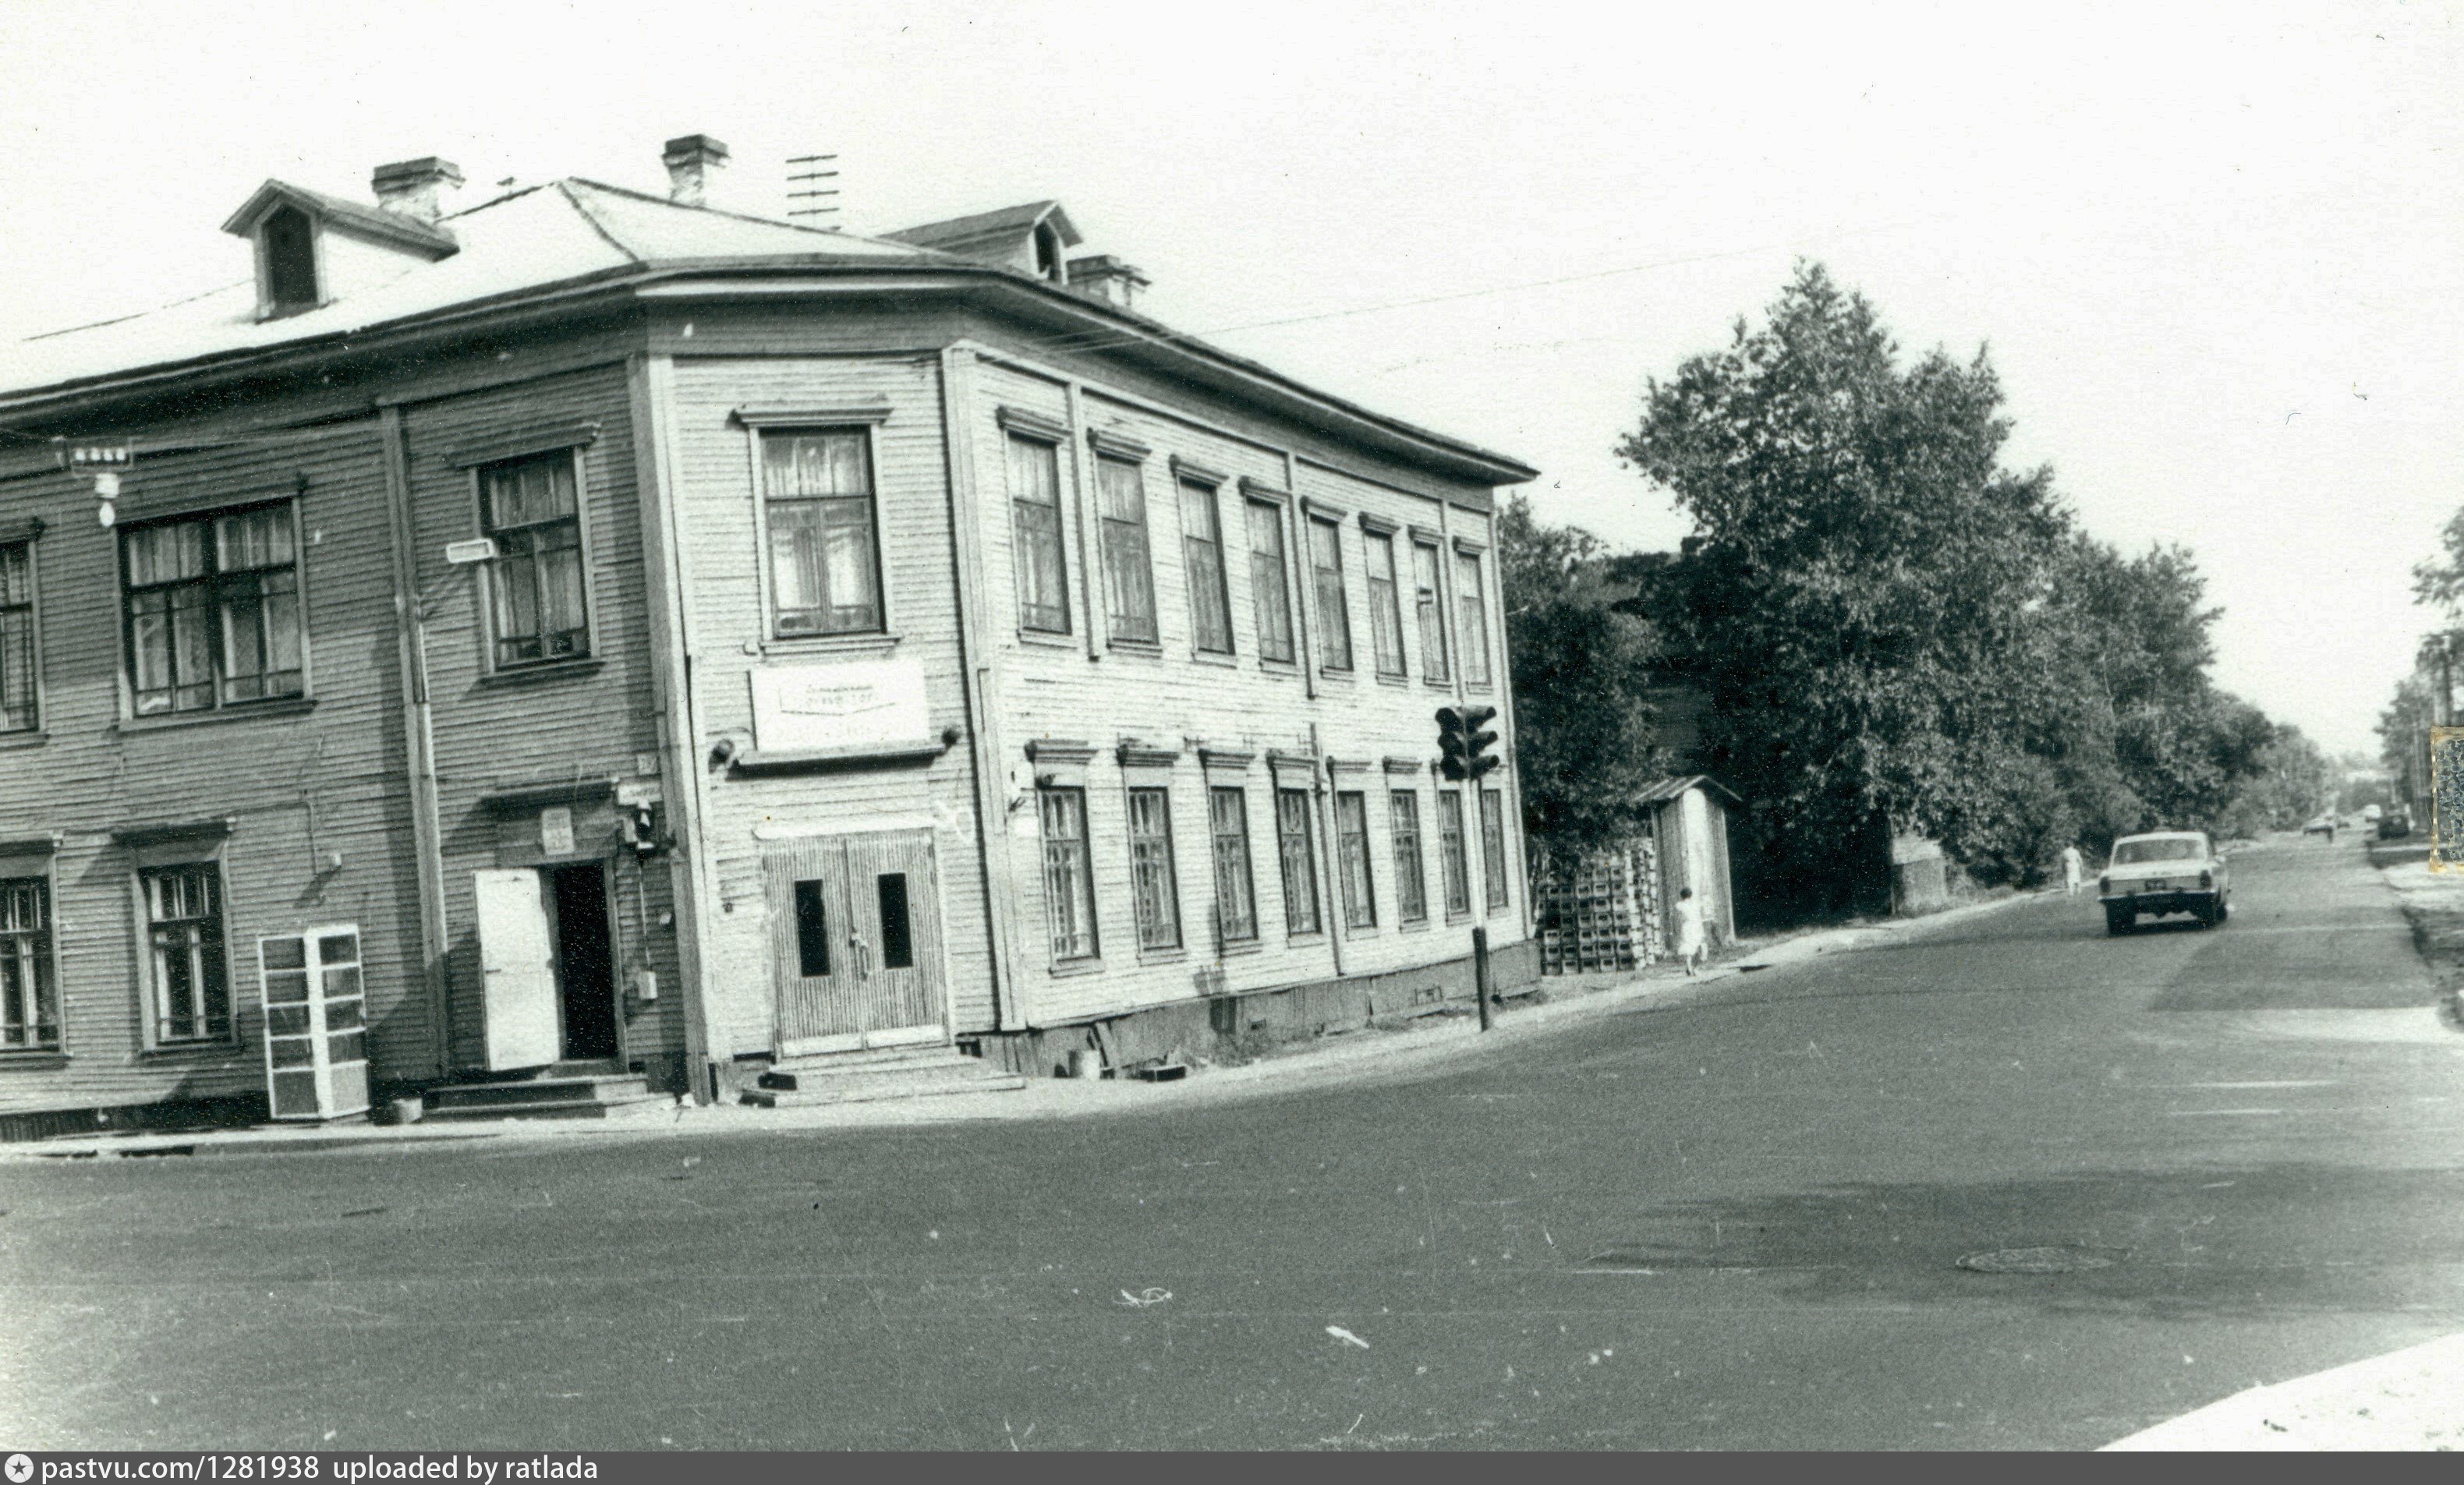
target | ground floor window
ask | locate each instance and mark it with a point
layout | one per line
(189, 978)
(1411, 886)
(1154, 886)
(29, 1014)
(1236, 905)
(1351, 855)
(1450, 852)
(1492, 846)
(1295, 850)
(1068, 884)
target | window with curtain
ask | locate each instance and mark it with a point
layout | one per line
(1154, 886)
(1333, 618)
(824, 527)
(532, 509)
(1294, 848)
(1492, 846)
(1129, 574)
(1236, 903)
(1201, 545)
(1410, 884)
(1473, 601)
(1035, 522)
(18, 709)
(1069, 882)
(1431, 610)
(1385, 605)
(29, 1009)
(1450, 853)
(1270, 592)
(212, 609)
(1351, 860)
(184, 928)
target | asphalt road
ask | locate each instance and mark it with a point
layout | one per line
(1734, 1221)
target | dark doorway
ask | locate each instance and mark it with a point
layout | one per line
(585, 961)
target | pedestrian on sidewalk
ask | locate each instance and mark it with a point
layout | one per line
(2071, 864)
(1688, 929)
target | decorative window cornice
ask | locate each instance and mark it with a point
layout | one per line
(1320, 510)
(1198, 473)
(1133, 754)
(518, 444)
(1059, 750)
(1257, 490)
(811, 415)
(25, 530)
(196, 832)
(1032, 425)
(1349, 765)
(1468, 547)
(1118, 446)
(1395, 765)
(1427, 538)
(1226, 760)
(1379, 525)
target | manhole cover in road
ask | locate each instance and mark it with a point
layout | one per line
(2034, 1260)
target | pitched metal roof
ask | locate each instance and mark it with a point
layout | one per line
(987, 224)
(1661, 790)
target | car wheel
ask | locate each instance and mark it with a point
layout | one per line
(2223, 908)
(2118, 920)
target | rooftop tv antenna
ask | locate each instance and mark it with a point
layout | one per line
(814, 200)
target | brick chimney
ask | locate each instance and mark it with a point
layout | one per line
(1103, 276)
(415, 188)
(691, 161)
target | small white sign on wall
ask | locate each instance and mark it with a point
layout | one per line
(853, 704)
(556, 830)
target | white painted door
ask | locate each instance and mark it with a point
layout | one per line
(517, 969)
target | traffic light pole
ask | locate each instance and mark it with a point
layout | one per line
(1480, 971)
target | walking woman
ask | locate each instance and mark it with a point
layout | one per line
(1688, 929)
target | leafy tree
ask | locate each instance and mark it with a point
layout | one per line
(1585, 745)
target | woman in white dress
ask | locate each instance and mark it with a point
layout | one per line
(1687, 930)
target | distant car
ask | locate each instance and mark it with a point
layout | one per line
(2165, 871)
(2321, 825)
(2395, 822)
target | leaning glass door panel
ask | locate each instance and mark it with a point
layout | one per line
(315, 1036)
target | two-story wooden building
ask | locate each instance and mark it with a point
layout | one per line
(603, 633)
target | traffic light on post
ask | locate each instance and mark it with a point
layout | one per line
(1463, 741)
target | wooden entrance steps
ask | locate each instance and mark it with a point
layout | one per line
(864, 1076)
(552, 1093)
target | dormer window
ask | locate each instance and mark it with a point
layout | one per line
(1047, 253)
(288, 245)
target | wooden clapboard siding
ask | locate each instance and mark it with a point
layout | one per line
(501, 729)
(300, 786)
(719, 503)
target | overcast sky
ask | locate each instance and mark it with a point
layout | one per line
(2214, 250)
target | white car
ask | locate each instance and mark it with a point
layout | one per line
(2162, 873)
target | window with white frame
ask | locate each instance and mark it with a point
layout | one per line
(1385, 605)
(1333, 617)
(186, 972)
(1201, 543)
(531, 509)
(1035, 523)
(1069, 881)
(819, 519)
(1270, 594)
(1129, 570)
(30, 1007)
(1351, 860)
(1430, 609)
(1236, 900)
(1295, 850)
(19, 708)
(1411, 884)
(1472, 599)
(1155, 888)
(211, 604)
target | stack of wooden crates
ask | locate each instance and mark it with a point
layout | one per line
(1599, 912)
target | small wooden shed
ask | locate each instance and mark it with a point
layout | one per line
(1610, 910)
(1690, 823)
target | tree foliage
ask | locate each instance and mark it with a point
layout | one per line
(1585, 746)
(1900, 634)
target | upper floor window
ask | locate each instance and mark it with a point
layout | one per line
(1268, 593)
(290, 247)
(1385, 606)
(29, 1008)
(1334, 620)
(18, 706)
(1201, 541)
(1430, 609)
(1035, 521)
(532, 508)
(817, 503)
(1474, 603)
(1129, 576)
(212, 611)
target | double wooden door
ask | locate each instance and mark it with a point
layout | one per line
(855, 942)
